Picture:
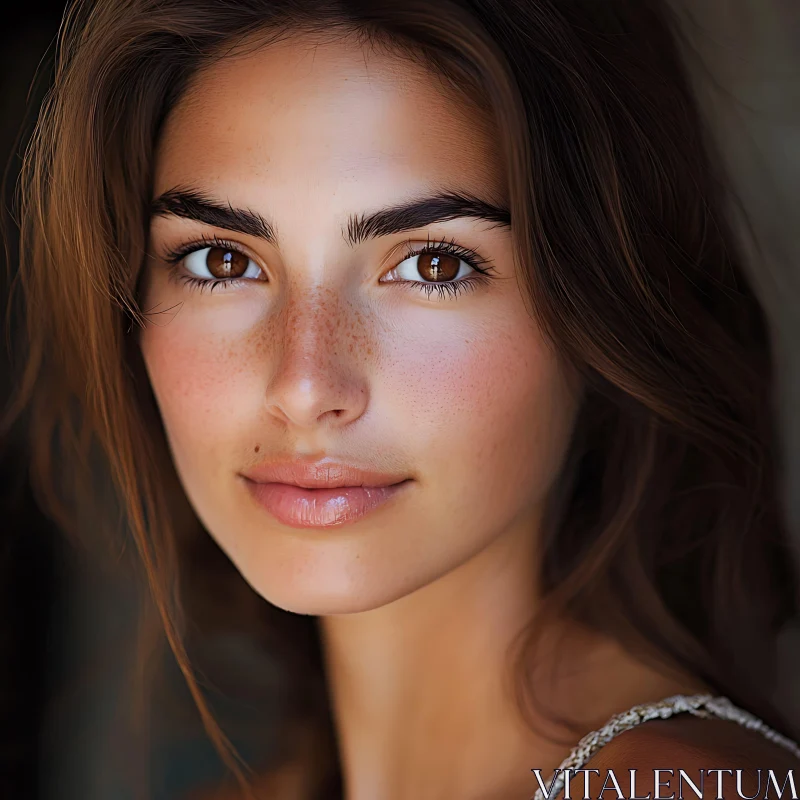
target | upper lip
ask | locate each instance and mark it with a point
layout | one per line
(325, 474)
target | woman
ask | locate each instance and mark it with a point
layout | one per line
(431, 313)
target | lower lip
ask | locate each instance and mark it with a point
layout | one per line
(320, 508)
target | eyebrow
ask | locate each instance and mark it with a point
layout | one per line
(193, 204)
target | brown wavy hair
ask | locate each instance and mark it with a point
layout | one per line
(667, 529)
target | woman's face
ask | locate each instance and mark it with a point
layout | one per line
(335, 341)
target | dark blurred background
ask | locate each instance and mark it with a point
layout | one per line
(28, 579)
(67, 624)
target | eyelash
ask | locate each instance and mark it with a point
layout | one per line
(482, 266)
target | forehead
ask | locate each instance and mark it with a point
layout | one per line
(305, 113)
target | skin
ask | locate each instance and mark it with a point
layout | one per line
(420, 600)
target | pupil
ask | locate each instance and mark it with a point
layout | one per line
(225, 263)
(438, 267)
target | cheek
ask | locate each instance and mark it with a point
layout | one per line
(202, 377)
(489, 408)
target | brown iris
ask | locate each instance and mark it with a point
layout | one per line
(437, 266)
(224, 263)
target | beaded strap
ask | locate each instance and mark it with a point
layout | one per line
(700, 705)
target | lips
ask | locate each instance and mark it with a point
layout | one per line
(325, 474)
(321, 494)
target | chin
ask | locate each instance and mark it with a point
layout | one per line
(323, 601)
(347, 589)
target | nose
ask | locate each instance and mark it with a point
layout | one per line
(318, 374)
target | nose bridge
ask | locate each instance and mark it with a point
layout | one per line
(318, 366)
(313, 325)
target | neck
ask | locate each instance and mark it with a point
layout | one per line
(423, 688)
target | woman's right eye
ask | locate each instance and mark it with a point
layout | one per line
(220, 263)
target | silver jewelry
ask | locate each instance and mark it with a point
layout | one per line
(699, 705)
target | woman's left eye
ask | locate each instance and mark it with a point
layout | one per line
(445, 269)
(436, 267)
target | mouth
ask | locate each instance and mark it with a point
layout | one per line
(322, 507)
(322, 474)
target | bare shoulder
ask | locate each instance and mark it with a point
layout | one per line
(689, 757)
